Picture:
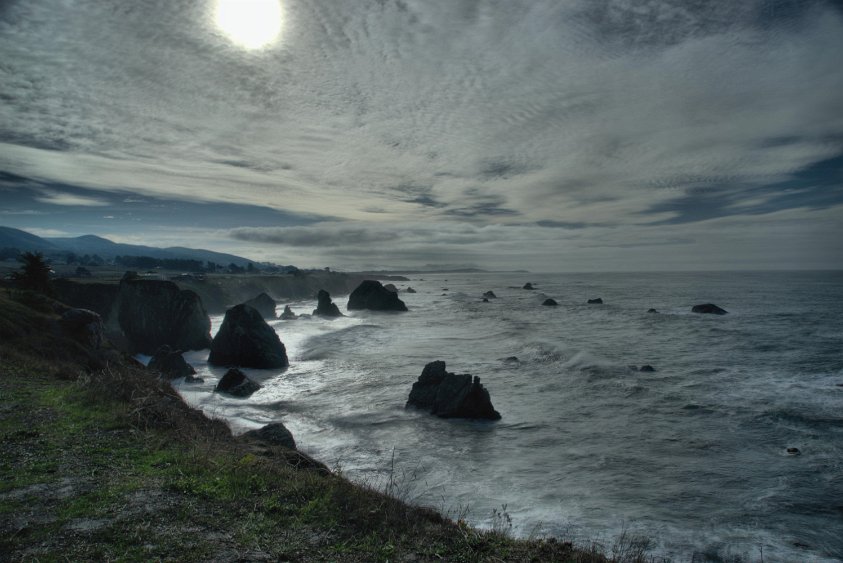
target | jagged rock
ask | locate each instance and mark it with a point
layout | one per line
(410, 290)
(287, 314)
(84, 326)
(528, 285)
(647, 368)
(550, 302)
(391, 287)
(326, 307)
(236, 383)
(263, 304)
(170, 363)
(449, 395)
(152, 313)
(371, 295)
(652, 311)
(490, 295)
(709, 309)
(245, 340)
(274, 433)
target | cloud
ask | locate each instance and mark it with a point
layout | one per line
(582, 115)
(58, 198)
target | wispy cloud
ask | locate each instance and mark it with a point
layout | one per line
(58, 198)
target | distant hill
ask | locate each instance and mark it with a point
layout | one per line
(91, 244)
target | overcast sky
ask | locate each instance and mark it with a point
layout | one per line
(550, 135)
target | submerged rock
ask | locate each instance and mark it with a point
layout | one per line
(490, 295)
(598, 301)
(287, 314)
(793, 451)
(170, 363)
(371, 295)
(550, 302)
(449, 395)
(274, 433)
(245, 340)
(263, 304)
(410, 289)
(647, 368)
(528, 285)
(152, 313)
(652, 311)
(236, 383)
(326, 307)
(708, 309)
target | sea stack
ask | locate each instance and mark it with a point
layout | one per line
(449, 395)
(326, 307)
(245, 340)
(371, 295)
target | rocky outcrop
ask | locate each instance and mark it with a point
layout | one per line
(597, 301)
(528, 285)
(152, 313)
(326, 307)
(708, 309)
(245, 340)
(170, 364)
(550, 302)
(449, 395)
(490, 295)
(263, 304)
(288, 314)
(391, 287)
(236, 383)
(83, 326)
(371, 295)
(274, 433)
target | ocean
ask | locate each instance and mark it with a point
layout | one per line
(692, 456)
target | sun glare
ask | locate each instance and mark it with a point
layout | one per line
(252, 24)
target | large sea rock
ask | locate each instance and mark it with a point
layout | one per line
(263, 304)
(371, 295)
(708, 309)
(152, 313)
(245, 340)
(325, 307)
(449, 395)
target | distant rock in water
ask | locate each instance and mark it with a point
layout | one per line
(490, 295)
(511, 360)
(410, 289)
(598, 301)
(236, 383)
(647, 368)
(371, 295)
(528, 285)
(263, 304)
(83, 326)
(793, 451)
(288, 314)
(550, 302)
(326, 307)
(391, 287)
(274, 433)
(485, 300)
(652, 311)
(152, 313)
(170, 363)
(245, 340)
(449, 395)
(708, 309)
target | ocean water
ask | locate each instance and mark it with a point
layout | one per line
(692, 456)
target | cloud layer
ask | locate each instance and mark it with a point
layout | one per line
(544, 127)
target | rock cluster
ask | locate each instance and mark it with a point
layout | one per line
(449, 395)
(371, 295)
(245, 340)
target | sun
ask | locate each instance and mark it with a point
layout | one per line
(251, 24)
